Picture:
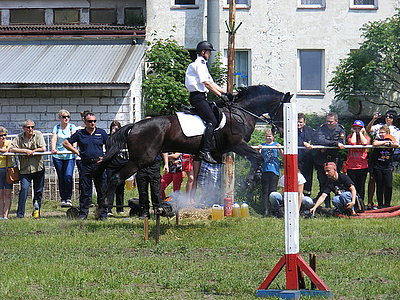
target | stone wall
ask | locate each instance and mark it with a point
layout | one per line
(42, 107)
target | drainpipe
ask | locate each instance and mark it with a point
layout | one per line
(213, 28)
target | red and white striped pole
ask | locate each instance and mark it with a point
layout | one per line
(291, 195)
(294, 263)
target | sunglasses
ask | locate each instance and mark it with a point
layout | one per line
(389, 116)
(29, 127)
(66, 117)
(91, 121)
(3, 135)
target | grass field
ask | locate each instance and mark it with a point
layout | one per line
(57, 258)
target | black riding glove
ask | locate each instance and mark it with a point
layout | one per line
(225, 98)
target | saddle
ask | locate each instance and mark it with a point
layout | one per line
(193, 125)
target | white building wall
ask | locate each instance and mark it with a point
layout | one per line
(274, 31)
(42, 106)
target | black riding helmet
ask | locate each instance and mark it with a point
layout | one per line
(204, 45)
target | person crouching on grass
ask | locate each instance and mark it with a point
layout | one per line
(343, 188)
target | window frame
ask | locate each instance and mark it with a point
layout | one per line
(184, 6)
(103, 9)
(238, 6)
(26, 9)
(367, 6)
(59, 9)
(319, 92)
(311, 6)
(135, 8)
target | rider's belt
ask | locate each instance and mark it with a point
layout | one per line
(196, 93)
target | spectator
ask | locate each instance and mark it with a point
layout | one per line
(114, 166)
(306, 137)
(150, 176)
(276, 199)
(187, 169)
(63, 163)
(389, 120)
(31, 166)
(329, 134)
(343, 188)
(173, 173)
(82, 126)
(5, 162)
(382, 159)
(357, 159)
(270, 170)
(209, 181)
(90, 142)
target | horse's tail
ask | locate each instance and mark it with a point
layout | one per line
(116, 142)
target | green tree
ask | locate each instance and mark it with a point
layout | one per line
(371, 73)
(164, 83)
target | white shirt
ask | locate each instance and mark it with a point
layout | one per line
(394, 131)
(300, 180)
(196, 74)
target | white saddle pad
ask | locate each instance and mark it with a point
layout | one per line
(193, 125)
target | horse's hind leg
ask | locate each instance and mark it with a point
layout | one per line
(116, 179)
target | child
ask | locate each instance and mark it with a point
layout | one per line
(270, 170)
(357, 159)
(382, 159)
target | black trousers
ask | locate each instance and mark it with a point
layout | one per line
(306, 166)
(119, 192)
(269, 184)
(199, 101)
(143, 183)
(86, 179)
(383, 181)
(359, 177)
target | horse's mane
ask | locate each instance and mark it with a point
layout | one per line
(254, 91)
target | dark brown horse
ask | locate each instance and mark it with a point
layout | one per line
(148, 138)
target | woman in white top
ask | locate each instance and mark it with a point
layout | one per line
(64, 163)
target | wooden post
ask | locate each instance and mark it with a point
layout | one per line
(146, 228)
(231, 45)
(158, 217)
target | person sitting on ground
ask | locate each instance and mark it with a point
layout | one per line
(343, 188)
(276, 199)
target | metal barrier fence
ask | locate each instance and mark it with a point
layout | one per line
(51, 191)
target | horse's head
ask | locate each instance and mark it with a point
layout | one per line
(262, 99)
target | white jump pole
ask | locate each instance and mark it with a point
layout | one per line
(294, 263)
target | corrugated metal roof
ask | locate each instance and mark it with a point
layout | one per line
(69, 64)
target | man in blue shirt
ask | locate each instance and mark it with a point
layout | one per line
(90, 141)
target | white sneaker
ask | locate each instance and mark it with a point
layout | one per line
(63, 203)
(68, 203)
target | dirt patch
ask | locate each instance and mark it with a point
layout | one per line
(195, 213)
(385, 251)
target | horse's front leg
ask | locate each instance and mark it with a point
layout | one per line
(255, 158)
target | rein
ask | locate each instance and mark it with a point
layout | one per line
(268, 121)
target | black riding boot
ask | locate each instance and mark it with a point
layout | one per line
(207, 143)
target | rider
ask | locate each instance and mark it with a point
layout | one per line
(198, 81)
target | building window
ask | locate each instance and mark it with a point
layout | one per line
(185, 2)
(239, 3)
(311, 3)
(364, 4)
(102, 16)
(27, 16)
(134, 16)
(241, 76)
(311, 74)
(66, 16)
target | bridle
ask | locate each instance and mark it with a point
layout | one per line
(262, 119)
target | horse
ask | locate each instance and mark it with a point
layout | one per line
(149, 137)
